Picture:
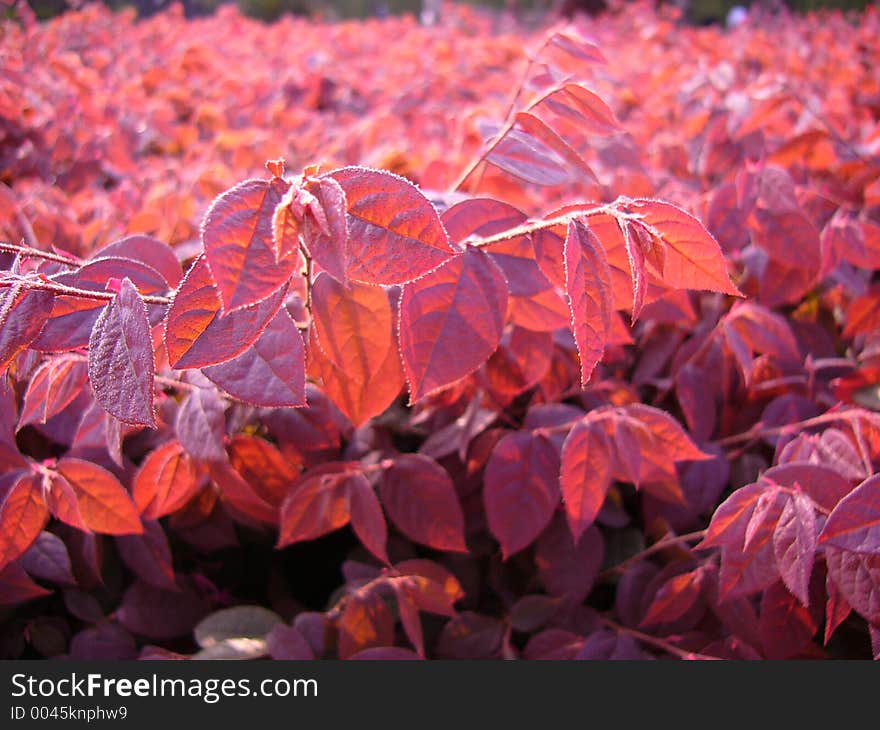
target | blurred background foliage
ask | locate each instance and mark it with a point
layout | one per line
(698, 11)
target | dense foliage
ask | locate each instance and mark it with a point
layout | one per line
(554, 344)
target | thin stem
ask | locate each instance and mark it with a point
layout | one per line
(532, 226)
(308, 276)
(661, 544)
(509, 120)
(654, 641)
(71, 291)
(36, 253)
(172, 383)
(759, 431)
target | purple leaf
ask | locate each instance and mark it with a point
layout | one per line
(121, 360)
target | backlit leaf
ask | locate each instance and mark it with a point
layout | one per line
(197, 334)
(200, 425)
(271, 373)
(367, 519)
(328, 239)
(22, 316)
(420, 498)
(353, 323)
(121, 361)
(165, 481)
(104, 504)
(53, 387)
(316, 503)
(521, 489)
(360, 395)
(854, 524)
(365, 623)
(692, 258)
(794, 545)
(239, 249)
(396, 232)
(451, 321)
(588, 289)
(585, 476)
(23, 514)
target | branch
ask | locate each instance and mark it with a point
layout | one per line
(72, 291)
(36, 253)
(654, 641)
(661, 544)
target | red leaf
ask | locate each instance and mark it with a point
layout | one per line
(605, 645)
(763, 331)
(482, 217)
(471, 636)
(365, 623)
(385, 653)
(328, 239)
(863, 314)
(353, 324)
(237, 234)
(53, 387)
(786, 626)
(794, 545)
(779, 232)
(522, 359)
(438, 589)
(148, 555)
(47, 558)
(526, 157)
(544, 133)
(359, 395)
(159, 614)
(854, 524)
(23, 514)
(638, 271)
(198, 335)
(63, 503)
(165, 481)
(576, 49)
(692, 258)
(263, 466)
(104, 504)
(316, 503)
(151, 251)
(22, 316)
(582, 107)
(200, 425)
(836, 608)
(566, 568)
(420, 498)
(286, 642)
(272, 373)
(857, 577)
(451, 321)
(521, 489)
(588, 288)
(398, 232)
(674, 598)
(121, 361)
(728, 525)
(367, 519)
(823, 485)
(553, 645)
(73, 318)
(406, 591)
(239, 497)
(585, 476)
(17, 587)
